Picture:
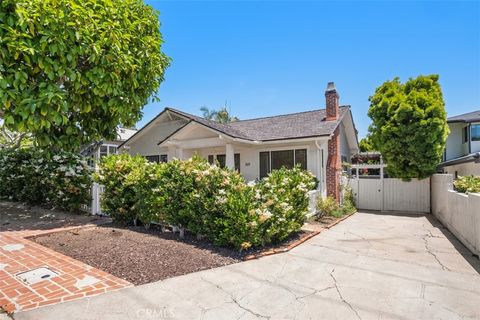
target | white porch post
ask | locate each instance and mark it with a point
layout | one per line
(171, 153)
(179, 152)
(229, 156)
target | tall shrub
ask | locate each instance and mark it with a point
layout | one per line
(283, 202)
(409, 125)
(31, 175)
(121, 176)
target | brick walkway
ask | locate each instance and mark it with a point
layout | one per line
(75, 279)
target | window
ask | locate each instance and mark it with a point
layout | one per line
(284, 158)
(153, 158)
(264, 164)
(103, 151)
(106, 150)
(475, 131)
(272, 160)
(465, 134)
(221, 159)
(163, 158)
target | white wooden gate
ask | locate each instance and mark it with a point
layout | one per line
(390, 194)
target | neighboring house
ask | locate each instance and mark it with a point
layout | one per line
(462, 152)
(317, 140)
(99, 149)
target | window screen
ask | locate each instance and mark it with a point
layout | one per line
(163, 158)
(264, 164)
(301, 158)
(221, 160)
(237, 161)
(153, 158)
(283, 158)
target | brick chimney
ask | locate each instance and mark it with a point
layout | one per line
(334, 164)
(331, 97)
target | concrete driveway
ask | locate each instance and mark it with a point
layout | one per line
(370, 266)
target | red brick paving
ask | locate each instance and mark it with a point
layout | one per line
(16, 295)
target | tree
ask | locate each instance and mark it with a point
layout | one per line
(409, 125)
(13, 140)
(221, 115)
(71, 71)
(365, 144)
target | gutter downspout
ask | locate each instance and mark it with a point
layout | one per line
(320, 166)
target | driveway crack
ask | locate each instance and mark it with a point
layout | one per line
(234, 300)
(427, 248)
(341, 296)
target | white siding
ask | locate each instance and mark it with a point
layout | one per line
(145, 143)
(249, 156)
(344, 147)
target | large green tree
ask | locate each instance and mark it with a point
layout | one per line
(365, 144)
(409, 125)
(71, 71)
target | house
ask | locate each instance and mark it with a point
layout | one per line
(462, 151)
(99, 149)
(317, 140)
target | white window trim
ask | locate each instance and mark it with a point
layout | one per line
(108, 149)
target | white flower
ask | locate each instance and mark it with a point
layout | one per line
(251, 183)
(221, 191)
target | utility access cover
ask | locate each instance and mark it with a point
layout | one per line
(36, 275)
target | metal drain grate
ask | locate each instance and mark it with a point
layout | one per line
(36, 275)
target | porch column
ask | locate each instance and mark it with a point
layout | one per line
(179, 153)
(229, 156)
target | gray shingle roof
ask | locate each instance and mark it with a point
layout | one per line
(290, 126)
(473, 116)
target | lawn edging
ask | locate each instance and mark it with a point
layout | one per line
(296, 243)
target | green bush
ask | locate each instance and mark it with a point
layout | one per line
(37, 177)
(205, 199)
(467, 184)
(122, 176)
(283, 202)
(327, 206)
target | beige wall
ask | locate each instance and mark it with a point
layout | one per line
(249, 156)
(464, 169)
(457, 211)
(145, 143)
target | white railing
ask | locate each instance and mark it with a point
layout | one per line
(459, 212)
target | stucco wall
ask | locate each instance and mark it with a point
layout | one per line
(457, 211)
(464, 169)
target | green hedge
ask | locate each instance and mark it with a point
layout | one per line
(206, 199)
(467, 184)
(37, 177)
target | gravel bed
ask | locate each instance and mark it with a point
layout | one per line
(142, 256)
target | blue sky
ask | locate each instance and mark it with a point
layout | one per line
(267, 58)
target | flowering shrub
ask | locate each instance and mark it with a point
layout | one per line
(122, 175)
(205, 199)
(40, 178)
(283, 202)
(467, 184)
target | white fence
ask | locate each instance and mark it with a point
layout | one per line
(96, 194)
(459, 212)
(389, 194)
